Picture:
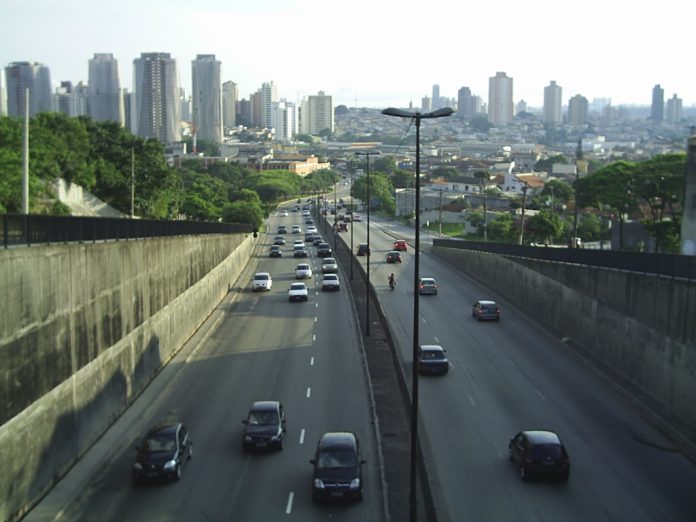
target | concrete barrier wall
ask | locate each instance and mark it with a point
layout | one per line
(83, 329)
(619, 319)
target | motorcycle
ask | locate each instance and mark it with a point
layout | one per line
(392, 283)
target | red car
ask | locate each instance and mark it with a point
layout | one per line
(400, 244)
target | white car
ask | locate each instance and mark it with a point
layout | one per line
(329, 265)
(298, 292)
(303, 271)
(284, 213)
(296, 229)
(262, 282)
(311, 229)
(298, 242)
(330, 282)
(305, 213)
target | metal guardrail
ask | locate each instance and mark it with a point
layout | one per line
(20, 229)
(670, 265)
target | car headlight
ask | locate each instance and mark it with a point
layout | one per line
(318, 484)
(138, 466)
(247, 438)
(169, 465)
(355, 483)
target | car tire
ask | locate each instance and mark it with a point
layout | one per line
(177, 473)
(190, 451)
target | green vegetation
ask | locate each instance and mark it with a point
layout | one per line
(100, 156)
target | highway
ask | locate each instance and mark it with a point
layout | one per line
(514, 375)
(255, 346)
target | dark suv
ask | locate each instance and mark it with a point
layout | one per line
(323, 250)
(337, 467)
(539, 453)
(162, 452)
(363, 249)
(264, 427)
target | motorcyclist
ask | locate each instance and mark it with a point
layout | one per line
(392, 281)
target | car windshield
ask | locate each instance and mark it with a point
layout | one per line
(297, 286)
(337, 459)
(261, 277)
(159, 442)
(262, 418)
(543, 451)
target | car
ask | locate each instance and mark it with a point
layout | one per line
(298, 292)
(298, 242)
(309, 237)
(539, 453)
(306, 213)
(162, 451)
(275, 251)
(337, 467)
(279, 240)
(356, 217)
(393, 256)
(432, 359)
(317, 240)
(323, 249)
(486, 310)
(342, 227)
(330, 282)
(284, 213)
(312, 229)
(264, 427)
(427, 286)
(299, 251)
(329, 265)
(363, 249)
(262, 282)
(296, 229)
(303, 271)
(282, 229)
(400, 245)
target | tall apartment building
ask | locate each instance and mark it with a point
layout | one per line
(437, 101)
(553, 104)
(229, 105)
(127, 110)
(105, 95)
(426, 104)
(207, 97)
(3, 94)
(674, 109)
(268, 95)
(317, 114)
(500, 106)
(155, 100)
(255, 109)
(36, 77)
(657, 109)
(465, 108)
(578, 108)
(71, 100)
(284, 120)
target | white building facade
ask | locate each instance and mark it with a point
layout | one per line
(155, 106)
(207, 97)
(317, 114)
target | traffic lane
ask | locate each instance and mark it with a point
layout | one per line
(487, 382)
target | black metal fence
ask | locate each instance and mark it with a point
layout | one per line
(20, 229)
(670, 265)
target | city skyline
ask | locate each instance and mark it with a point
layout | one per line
(371, 55)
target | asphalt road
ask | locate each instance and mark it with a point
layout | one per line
(256, 346)
(514, 375)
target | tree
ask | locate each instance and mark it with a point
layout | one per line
(559, 190)
(384, 164)
(543, 227)
(502, 228)
(445, 172)
(403, 179)
(547, 164)
(243, 212)
(590, 227)
(381, 191)
(480, 124)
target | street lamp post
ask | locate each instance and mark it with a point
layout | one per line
(417, 116)
(524, 202)
(351, 220)
(367, 155)
(335, 225)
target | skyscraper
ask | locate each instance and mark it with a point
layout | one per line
(317, 114)
(269, 94)
(71, 100)
(284, 119)
(105, 96)
(229, 105)
(553, 98)
(657, 109)
(155, 98)
(36, 77)
(465, 109)
(3, 94)
(500, 106)
(436, 103)
(674, 109)
(578, 108)
(207, 97)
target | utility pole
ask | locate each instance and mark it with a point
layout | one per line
(688, 226)
(578, 162)
(524, 202)
(25, 156)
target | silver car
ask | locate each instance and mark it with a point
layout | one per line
(427, 286)
(329, 266)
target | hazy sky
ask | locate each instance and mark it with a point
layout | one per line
(376, 52)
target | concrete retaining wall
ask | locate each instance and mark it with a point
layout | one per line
(83, 329)
(640, 328)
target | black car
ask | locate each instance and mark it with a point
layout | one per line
(363, 249)
(432, 360)
(323, 249)
(539, 453)
(275, 251)
(393, 256)
(317, 240)
(337, 467)
(162, 452)
(299, 251)
(264, 427)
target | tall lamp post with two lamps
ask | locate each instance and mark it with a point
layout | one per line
(417, 116)
(367, 155)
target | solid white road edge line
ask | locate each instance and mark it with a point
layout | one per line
(288, 506)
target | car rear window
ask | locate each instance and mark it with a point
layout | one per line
(489, 307)
(543, 451)
(432, 355)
